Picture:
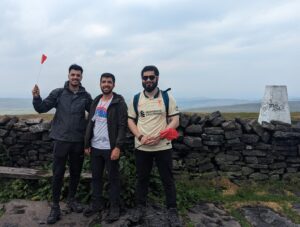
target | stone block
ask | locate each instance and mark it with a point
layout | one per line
(193, 142)
(194, 130)
(263, 146)
(222, 158)
(254, 153)
(268, 126)
(33, 121)
(230, 125)
(184, 120)
(278, 165)
(286, 135)
(233, 134)
(245, 125)
(251, 160)
(247, 171)
(195, 119)
(258, 176)
(4, 120)
(219, 138)
(258, 166)
(230, 168)
(9, 140)
(3, 132)
(214, 130)
(250, 138)
(217, 121)
(256, 127)
(212, 143)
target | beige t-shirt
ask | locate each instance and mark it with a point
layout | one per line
(152, 119)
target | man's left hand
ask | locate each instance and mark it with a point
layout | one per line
(115, 154)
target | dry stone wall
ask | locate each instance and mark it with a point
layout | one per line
(210, 145)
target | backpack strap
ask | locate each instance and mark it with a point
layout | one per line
(136, 99)
(165, 97)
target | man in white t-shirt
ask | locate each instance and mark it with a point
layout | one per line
(105, 137)
(146, 118)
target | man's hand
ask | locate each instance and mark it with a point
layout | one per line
(115, 154)
(87, 151)
(35, 91)
(153, 140)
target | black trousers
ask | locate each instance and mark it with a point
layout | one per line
(144, 163)
(100, 160)
(63, 152)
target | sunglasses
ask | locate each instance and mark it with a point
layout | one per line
(151, 77)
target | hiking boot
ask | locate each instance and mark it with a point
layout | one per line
(93, 209)
(74, 206)
(54, 215)
(173, 218)
(113, 214)
(138, 214)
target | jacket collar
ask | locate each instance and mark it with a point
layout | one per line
(81, 88)
(115, 99)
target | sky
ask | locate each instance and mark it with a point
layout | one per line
(211, 48)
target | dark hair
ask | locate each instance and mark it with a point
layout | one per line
(75, 67)
(108, 75)
(150, 68)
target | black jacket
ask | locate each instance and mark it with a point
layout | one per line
(116, 121)
(69, 121)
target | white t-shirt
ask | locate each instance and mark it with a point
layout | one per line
(100, 139)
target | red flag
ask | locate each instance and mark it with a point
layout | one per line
(169, 134)
(44, 57)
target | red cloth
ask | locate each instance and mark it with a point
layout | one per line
(44, 57)
(169, 134)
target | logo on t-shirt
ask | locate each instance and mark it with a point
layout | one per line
(101, 111)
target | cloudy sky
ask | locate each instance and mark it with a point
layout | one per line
(212, 48)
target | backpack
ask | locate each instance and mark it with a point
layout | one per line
(165, 97)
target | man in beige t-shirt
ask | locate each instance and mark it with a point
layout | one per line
(147, 116)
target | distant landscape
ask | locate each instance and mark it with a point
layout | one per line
(247, 107)
(24, 106)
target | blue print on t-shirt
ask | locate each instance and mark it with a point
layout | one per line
(101, 112)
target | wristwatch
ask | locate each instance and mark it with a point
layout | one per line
(140, 137)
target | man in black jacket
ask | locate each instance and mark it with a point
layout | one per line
(68, 129)
(105, 137)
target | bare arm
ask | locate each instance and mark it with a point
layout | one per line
(173, 122)
(133, 127)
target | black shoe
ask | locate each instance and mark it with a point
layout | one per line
(54, 215)
(138, 214)
(173, 218)
(113, 214)
(74, 206)
(92, 209)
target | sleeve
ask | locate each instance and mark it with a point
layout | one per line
(88, 103)
(122, 124)
(173, 108)
(131, 111)
(43, 106)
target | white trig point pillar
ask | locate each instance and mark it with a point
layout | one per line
(274, 105)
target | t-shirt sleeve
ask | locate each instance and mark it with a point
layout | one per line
(173, 108)
(131, 111)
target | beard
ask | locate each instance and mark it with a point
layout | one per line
(107, 92)
(150, 88)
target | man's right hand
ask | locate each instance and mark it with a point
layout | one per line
(35, 91)
(87, 151)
